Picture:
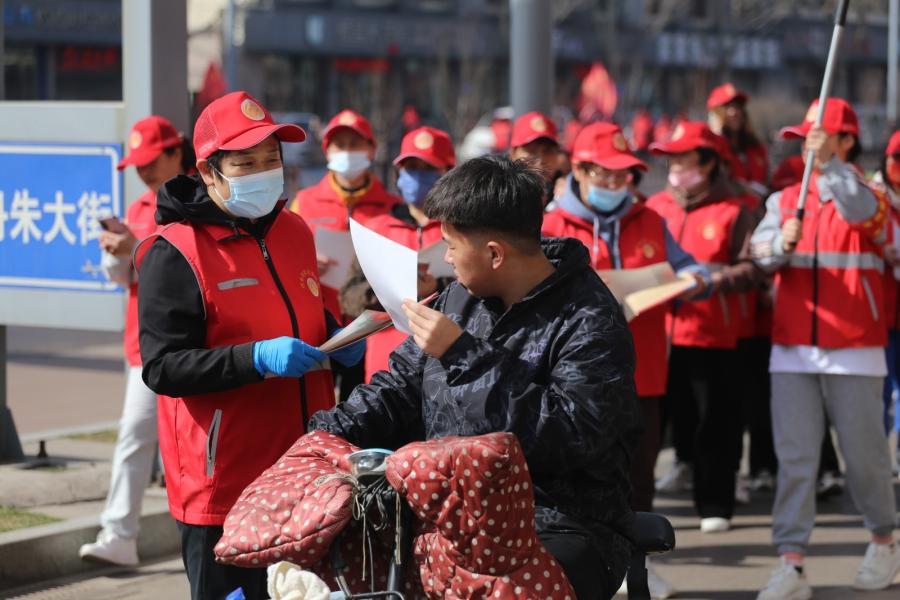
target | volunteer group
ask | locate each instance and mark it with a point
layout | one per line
(789, 330)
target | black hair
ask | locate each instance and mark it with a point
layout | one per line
(188, 158)
(855, 150)
(636, 176)
(215, 159)
(707, 155)
(492, 194)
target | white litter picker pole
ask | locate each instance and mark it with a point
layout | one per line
(840, 18)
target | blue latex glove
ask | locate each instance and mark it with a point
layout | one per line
(350, 355)
(285, 357)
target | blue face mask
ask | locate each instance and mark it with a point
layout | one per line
(604, 200)
(414, 185)
(253, 196)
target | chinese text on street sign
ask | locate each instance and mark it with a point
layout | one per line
(51, 197)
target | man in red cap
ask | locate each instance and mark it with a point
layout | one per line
(828, 348)
(599, 210)
(425, 155)
(705, 217)
(231, 313)
(887, 181)
(728, 117)
(534, 138)
(349, 189)
(156, 149)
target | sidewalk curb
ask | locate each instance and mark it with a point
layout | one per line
(36, 554)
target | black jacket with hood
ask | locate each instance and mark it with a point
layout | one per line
(171, 314)
(556, 369)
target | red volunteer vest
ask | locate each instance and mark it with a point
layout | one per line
(890, 285)
(830, 293)
(641, 243)
(751, 165)
(705, 232)
(214, 445)
(141, 220)
(380, 345)
(322, 206)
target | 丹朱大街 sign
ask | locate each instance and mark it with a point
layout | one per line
(51, 199)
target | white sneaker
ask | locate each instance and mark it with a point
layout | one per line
(679, 479)
(110, 548)
(879, 567)
(786, 583)
(660, 589)
(714, 525)
(741, 489)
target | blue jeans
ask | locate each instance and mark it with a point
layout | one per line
(892, 382)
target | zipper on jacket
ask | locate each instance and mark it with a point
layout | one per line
(295, 328)
(870, 296)
(212, 442)
(674, 305)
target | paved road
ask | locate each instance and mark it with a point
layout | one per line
(727, 566)
(62, 378)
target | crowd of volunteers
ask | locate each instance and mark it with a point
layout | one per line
(788, 331)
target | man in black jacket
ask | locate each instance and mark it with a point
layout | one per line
(530, 341)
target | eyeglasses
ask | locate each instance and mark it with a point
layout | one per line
(598, 173)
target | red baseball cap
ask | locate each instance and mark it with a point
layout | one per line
(893, 146)
(604, 144)
(532, 126)
(722, 95)
(237, 121)
(147, 140)
(688, 136)
(348, 119)
(839, 117)
(428, 144)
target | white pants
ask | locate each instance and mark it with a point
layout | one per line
(132, 462)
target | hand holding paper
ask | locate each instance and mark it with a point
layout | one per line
(335, 255)
(432, 331)
(639, 290)
(391, 269)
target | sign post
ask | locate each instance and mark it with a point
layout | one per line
(59, 164)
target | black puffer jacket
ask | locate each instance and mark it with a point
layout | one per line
(556, 369)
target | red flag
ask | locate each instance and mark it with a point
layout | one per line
(598, 94)
(641, 130)
(214, 86)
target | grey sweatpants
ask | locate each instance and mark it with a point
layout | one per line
(854, 405)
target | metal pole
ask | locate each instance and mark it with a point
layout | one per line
(840, 18)
(10, 447)
(229, 57)
(893, 27)
(531, 56)
(2, 54)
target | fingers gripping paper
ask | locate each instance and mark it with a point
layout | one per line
(638, 290)
(390, 268)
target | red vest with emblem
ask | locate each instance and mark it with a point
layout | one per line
(751, 165)
(641, 243)
(215, 444)
(830, 293)
(141, 220)
(705, 232)
(322, 206)
(380, 345)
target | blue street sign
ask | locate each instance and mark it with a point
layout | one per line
(51, 197)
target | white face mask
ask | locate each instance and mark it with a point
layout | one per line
(253, 196)
(349, 164)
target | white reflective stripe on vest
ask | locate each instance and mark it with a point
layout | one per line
(838, 260)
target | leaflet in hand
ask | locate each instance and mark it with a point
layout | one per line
(391, 269)
(369, 322)
(433, 256)
(639, 290)
(337, 246)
